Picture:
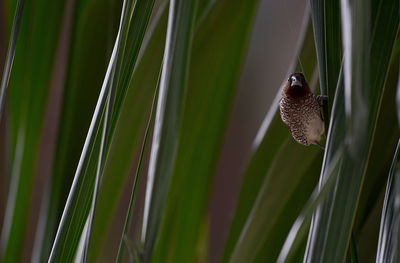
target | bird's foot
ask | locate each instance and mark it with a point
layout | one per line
(320, 145)
(322, 99)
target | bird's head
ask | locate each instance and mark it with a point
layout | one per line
(296, 85)
(296, 80)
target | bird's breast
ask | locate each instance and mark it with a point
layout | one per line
(303, 118)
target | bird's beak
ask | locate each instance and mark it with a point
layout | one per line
(296, 82)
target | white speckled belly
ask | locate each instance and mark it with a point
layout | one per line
(314, 129)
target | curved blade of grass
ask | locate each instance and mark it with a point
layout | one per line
(81, 181)
(218, 51)
(90, 51)
(352, 255)
(129, 127)
(366, 223)
(4, 83)
(75, 213)
(334, 145)
(125, 143)
(10, 54)
(168, 116)
(271, 145)
(99, 172)
(110, 101)
(299, 228)
(27, 89)
(138, 175)
(364, 54)
(388, 245)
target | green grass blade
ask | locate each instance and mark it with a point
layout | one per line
(369, 30)
(269, 163)
(131, 46)
(99, 171)
(168, 116)
(334, 145)
(72, 222)
(10, 54)
(27, 89)
(110, 99)
(88, 58)
(129, 128)
(299, 228)
(138, 175)
(82, 181)
(326, 24)
(386, 135)
(210, 93)
(388, 244)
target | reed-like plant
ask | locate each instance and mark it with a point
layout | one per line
(145, 88)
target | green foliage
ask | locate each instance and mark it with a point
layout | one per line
(148, 92)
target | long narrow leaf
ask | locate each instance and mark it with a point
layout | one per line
(168, 116)
(326, 24)
(83, 182)
(90, 51)
(218, 53)
(128, 130)
(10, 54)
(388, 245)
(369, 31)
(27, 92)
(138, 175)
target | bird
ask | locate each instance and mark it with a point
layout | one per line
(300, 110)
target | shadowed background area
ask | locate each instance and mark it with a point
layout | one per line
(271, 51)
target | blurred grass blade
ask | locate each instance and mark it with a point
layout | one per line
(72, 222)
(27, 91)
(129, 130)
(326, 25)
(388, 244)
(398, 99)
(168, 116)
(334, 145)
(299, 228)
(138, 175)
(10, 54)
(219, 47)
(269, 168)
(369, 31)
(105, 129)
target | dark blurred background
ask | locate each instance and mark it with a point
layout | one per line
(266, 67)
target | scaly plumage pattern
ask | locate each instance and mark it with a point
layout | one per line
(300, 111)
